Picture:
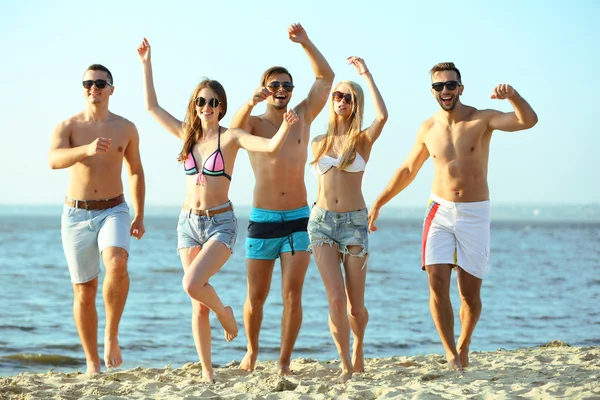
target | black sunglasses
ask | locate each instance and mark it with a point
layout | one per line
(439, 86)
(212, 103)
(287, 86)
(100, 84)
(338, 96)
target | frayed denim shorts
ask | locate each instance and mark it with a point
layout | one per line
(195, 230)
(339, 229)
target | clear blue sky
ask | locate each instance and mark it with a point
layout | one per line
(547, 50)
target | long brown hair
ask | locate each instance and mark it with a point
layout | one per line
(354, 131)
(193, 126)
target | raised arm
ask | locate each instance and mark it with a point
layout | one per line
(402, 177)
(273, 145)
(319, 92)
(169, 122)
(137, 183)
(242, 119)
(62, 155)
(381, 114)
(522, 118)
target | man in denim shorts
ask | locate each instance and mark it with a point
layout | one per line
(95, 222)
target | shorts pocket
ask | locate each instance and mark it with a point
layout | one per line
(182, 217)
(359, 219)
(224, 218)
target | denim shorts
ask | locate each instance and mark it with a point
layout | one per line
(339, 229)
(86, 233)
(195, 230)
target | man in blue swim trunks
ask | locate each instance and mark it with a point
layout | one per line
(280, 210)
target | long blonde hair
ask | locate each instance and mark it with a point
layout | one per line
(193, 125)
(354, 131)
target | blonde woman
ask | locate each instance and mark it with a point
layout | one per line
(207, 227)
(338, 221)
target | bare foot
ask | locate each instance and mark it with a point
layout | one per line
(207, 376)
(463, 353)
(454, 363)
(284, 369)
(112, 353)
(93, 367)
(344, 377)
(248, 361)
(229, 325)
(358, 358)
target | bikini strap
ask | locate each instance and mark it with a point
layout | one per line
(219, 142)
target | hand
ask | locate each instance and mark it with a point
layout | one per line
(359, 64)
(290, 117)
(259, 95)
(144, 51)
(99, 146)
(137, 229)
(297, 34)
(371, 218)
(503, 91)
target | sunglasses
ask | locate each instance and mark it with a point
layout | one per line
(439, 86)
(212, 103)
(287, 86)
(100, 84)
(338, 96)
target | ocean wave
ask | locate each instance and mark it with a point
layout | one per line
(42, 359)
(17, 327)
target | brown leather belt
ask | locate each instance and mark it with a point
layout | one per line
(207, 213)
(95, 204)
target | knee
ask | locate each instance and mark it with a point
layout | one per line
(188, 284)
(201, 310)
(438, 284)
(85, 293)
(471, 299)
(292, 298)
(116, 263)
(357, 312)
(338, 304)
(255, 300)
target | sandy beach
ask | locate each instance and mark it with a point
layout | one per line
(554, 370)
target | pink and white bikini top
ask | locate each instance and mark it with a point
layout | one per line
(214, 165)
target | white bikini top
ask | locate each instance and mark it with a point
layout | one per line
(325, 163)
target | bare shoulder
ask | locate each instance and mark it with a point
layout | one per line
(318, 139)
(122, 122)
(234, 132)
(68, 125)
(483, 114)
(426, 126)
(254, 121)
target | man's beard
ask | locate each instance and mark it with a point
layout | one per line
(451, 106)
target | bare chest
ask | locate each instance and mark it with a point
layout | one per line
(463, 140)
(86, 133)
(296, 141)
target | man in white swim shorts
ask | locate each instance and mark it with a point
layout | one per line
(456, 231)
(93, 145)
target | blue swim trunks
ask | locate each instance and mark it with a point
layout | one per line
(272, 232)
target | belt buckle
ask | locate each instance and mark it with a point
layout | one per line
(207, 214)
(87, 206)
